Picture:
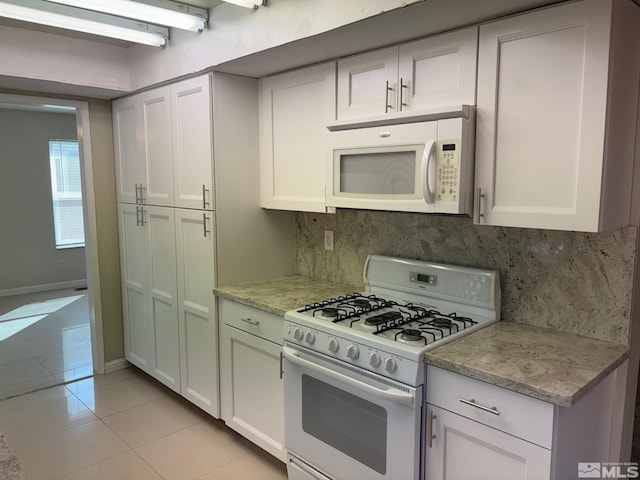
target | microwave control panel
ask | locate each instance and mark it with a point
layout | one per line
(448, 171)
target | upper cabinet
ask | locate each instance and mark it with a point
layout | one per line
(430, 73)
(556, 117)
(163, 146)
(295, 108)
(192, 143)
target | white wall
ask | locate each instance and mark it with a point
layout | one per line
(236, 32)
(28, 254)
(44, 56)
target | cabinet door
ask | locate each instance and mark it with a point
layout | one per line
(138, 344)
(195, 232)
(295, 108)
(163, 301)
(542, 92)
(438, 71)
(368, 84)
(462, 449)
(192, 143)
(251, 387)
(155, 121)
(128, 156)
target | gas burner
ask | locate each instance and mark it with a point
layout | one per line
(411, 335)
(441, 322)
(383, 318)
(361, 303)
(328, 312)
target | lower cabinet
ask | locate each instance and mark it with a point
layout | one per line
(250, 382)
(477, 430)
(148, 264)
(196, 312)
(170, 330)
(462, 448)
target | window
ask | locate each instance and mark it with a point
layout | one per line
(66, 190)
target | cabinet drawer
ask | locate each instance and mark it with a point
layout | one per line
(252, 320)
(514, 413)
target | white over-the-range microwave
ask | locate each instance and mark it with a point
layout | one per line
(422, 166)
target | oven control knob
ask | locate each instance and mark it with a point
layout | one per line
(310, 338)
(374, 360)
(298, 333)
(390, 365)
(352, 352)
(333, 345)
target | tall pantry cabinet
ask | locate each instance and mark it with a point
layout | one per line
(189, 219)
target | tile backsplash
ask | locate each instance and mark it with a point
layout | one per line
(570, 281)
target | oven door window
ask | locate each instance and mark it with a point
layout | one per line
(350, 424)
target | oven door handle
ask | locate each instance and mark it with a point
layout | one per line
(393, 395)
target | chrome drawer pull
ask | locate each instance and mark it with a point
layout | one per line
(255, 323)
(473, 403)
(430, 435)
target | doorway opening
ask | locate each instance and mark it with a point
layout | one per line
(62, 317)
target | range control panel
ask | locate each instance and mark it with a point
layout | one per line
(448, 171)
(373, 359)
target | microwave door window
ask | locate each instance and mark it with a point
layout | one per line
(383, 173)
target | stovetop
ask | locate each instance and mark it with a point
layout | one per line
(408, 308)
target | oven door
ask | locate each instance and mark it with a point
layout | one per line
(348, 423)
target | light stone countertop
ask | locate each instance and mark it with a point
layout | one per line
(546, 364)
(280, 295)
(549, 365)
(9, 465)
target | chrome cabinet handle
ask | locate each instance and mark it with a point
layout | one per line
(205, 204)
(473, 403)
(430, 418)
(386, 97)
(137, 212)
(402, 87)
(142, 212)
(255, 323)
(142, 189)
(204, 224)
(281, 369)
(480, 197)
(137, 197)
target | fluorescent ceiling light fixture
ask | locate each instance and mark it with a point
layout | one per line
(246, 3)
(160, 12)
(59, 16)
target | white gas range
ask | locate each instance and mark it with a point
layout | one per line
(354, 367)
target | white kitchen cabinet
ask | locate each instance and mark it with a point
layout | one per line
(164, 146)
(295, 108)
(192, 143)
(195, 250)
(464, 449)
(555, 123)
(434, 72)
(130, 171)
(251, 387)
(133, 265)
(173, 257)
(477, 430)
(147, 238)
(142, 133)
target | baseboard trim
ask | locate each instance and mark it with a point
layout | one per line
(43, 288)
(115, 365)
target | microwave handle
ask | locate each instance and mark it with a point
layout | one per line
(427, 174)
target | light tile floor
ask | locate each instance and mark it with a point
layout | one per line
(44, 340)
(126, 426)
